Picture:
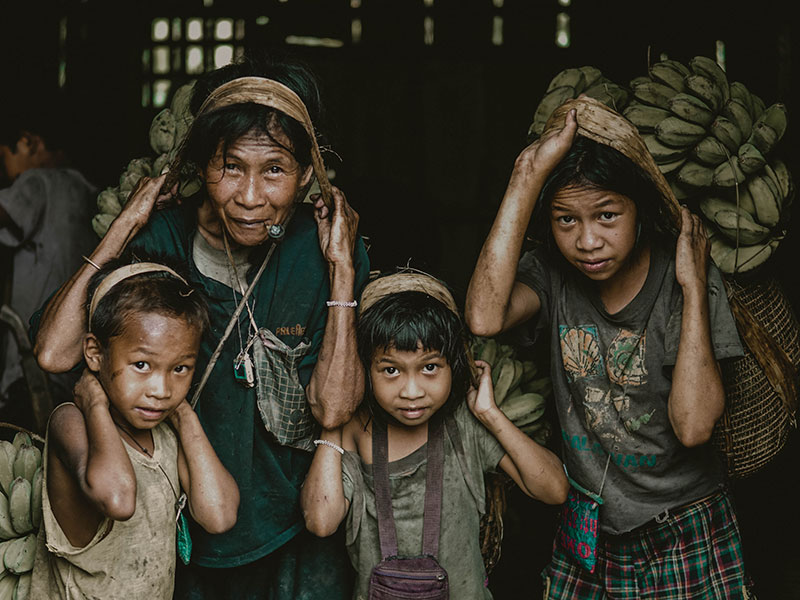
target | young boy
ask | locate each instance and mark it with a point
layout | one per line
(117, 458)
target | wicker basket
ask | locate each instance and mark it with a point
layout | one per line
(491, 534)
(760, 387)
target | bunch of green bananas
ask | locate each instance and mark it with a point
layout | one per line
(520, 391)
(713, 140)
(572, 82)
(166, 133)
(21, 477)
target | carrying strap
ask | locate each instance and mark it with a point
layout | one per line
(387, 531)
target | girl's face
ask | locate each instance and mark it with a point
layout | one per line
(146, 371)
(595, 230)
(253, 186)
(410, 385)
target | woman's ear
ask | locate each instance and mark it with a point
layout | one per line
(306, 179)
(92, 352)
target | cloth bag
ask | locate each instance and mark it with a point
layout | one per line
(406, 578)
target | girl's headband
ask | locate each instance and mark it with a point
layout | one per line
(406, 282)
(118, 275)
(602, 124)
(267, 92)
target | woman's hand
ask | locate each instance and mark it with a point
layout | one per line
(692, 252)
(337, 228)
(542, 156)
(481, 401)
(89, 393)
(144, 196)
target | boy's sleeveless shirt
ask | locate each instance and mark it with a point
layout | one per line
(133, 559)
(459, 544)
(611, 380)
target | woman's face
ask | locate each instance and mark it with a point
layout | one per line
(253, 186)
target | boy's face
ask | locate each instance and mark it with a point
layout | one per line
(146, 371)
(595, 230)
(410, 386)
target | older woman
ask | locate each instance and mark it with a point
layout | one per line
(281, 277)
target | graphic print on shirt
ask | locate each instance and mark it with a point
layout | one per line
(606, 406)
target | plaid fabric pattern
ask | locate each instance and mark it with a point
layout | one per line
(695, 554)
(281, 397)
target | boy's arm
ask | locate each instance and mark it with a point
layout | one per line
(88, 445)
(495, 302)
(697, 396)
(322, 496)
(59, 341)
(535, 469)
(212, 493)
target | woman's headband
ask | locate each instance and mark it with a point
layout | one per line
(118, 275)
(267, 92)
(406, 281)
(602, 124)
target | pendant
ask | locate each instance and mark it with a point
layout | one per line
(243, 369)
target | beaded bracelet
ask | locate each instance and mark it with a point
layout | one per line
(336, 447)
(351, 304)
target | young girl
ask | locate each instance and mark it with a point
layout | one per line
(123, 459)
(412, 343)
(637, 319)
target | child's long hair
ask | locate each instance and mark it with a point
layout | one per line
(154, 292)
(591, 165)
(404, 321)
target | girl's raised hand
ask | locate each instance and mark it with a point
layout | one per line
(481, 401)
(692, 251)
(545, 153)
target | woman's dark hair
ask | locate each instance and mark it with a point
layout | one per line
(228, 124)
(404, 321)
(155, 292)
(591, 165)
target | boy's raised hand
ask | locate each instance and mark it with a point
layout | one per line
(692, 251)
(481, 400)
(88, 392)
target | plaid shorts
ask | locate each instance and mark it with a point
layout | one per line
(694, 554)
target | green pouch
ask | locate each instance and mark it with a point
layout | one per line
(183, 538)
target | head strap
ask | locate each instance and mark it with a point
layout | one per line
(118, 275)
(406, 281)
(267, 92)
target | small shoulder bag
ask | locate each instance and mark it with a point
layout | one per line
(405, 578)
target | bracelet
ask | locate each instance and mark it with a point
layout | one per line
(336, 447)
(91, 262)
(351, 304)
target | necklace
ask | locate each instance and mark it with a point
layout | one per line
(184, 541)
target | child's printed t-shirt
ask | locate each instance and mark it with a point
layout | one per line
(611, 380)
(131, 560)
(463, 503)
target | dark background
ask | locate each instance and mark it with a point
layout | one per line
(427, 136)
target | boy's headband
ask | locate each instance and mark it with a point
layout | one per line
(123, 273)
(406, 282)
(602, 124)
(267, 92)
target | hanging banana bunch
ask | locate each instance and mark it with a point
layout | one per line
(520, 389)
(167, 131)
(20, 513)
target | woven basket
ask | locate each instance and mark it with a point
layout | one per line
(761, 386)
(491, 532)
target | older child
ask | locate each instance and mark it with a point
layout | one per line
(637, 319)
(129, 453)
(412, 344)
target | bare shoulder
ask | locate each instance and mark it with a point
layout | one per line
(67, 432)
(356, 429)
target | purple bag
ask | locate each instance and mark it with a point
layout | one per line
(408, 578)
